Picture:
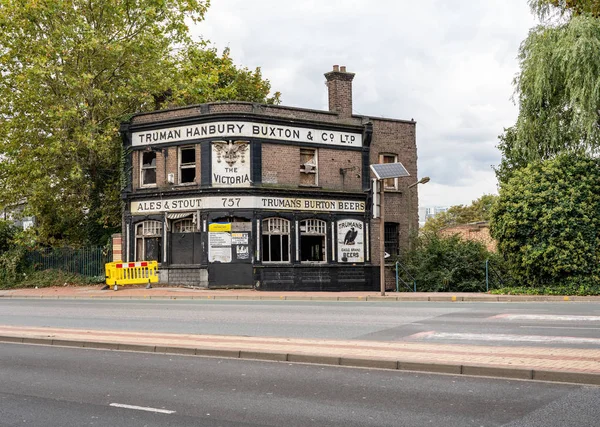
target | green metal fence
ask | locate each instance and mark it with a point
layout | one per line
(88, 262)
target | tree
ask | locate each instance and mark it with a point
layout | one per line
(547, 221)
(71, 72)
(478, 210)
(558, 88)
(545, 8)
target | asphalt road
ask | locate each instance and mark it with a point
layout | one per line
(564, 324)
(49, 386)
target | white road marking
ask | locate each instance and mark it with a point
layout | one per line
(507, 337)
(557, 327)
(142, 408)
(550, 317)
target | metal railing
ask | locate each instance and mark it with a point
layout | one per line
(87, 262)
(399, 279)
(491, 272)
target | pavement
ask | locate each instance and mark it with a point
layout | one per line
(570, 365)
(140, 292)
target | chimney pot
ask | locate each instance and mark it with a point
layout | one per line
(336, 68)
(343, 68)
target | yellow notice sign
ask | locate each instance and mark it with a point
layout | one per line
(219, 227)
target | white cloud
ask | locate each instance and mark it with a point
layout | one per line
(449, 65)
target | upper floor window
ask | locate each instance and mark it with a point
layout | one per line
(390, 183)
(309, 167)
(148, 168)
(187, 165)
(275, 240)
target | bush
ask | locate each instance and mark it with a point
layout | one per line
(47, 278)
(547, 223)
(448, 264)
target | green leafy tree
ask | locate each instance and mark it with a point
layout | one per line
(547, 221)
(546, 8)
(71, 72)
(558, 87)
(478, 210)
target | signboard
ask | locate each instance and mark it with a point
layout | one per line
(225, 245)
(350, 236)
(246, 202)
(230, 164)
(245, 129)
(219, 244)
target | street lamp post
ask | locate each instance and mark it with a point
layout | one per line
(423, 180)
(383, 171)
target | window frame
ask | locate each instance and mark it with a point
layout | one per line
(268, 228)
(389, 243)
(389, 183)
(151, 229)
(315, 156)
(181, 165)
(314, 227)
(144, 168)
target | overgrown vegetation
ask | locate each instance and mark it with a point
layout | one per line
(441, 264)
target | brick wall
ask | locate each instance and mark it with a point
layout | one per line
(117, 247)
(396, 137)
(281, 166)
(478, 232)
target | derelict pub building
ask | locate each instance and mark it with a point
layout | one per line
(271, 197)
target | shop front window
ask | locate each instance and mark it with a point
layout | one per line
(148, 241)
(275, 240)
(313, 233)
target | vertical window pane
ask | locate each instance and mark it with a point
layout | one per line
(148, 168)
(285, 247)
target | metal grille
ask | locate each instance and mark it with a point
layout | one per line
(313, 226)
(391, 238)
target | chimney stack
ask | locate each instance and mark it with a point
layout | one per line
(339, 85)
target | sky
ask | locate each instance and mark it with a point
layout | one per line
(447, 64)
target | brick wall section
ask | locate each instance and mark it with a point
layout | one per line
(281, 163)
(396, 137)
(135, 169)
(117, 247)
(478, 232)
(241, 107)
(172, 166)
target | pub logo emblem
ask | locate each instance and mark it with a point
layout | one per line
(230, 151)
